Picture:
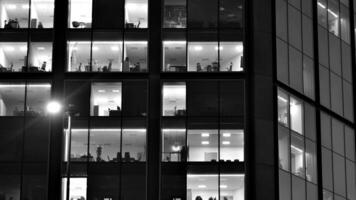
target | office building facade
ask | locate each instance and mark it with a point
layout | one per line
(177, 99)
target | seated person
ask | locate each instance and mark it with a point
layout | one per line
(199, 69)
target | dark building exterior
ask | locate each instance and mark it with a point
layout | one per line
(177, 99)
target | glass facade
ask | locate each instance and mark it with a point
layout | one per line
(315, 100)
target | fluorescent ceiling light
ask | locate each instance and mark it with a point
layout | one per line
(223, 186)
(25, 6)
(41, 48)
(101, 91)
(226, 142)
(205, 134)
(226, 134)
(9, 48)
(239, 48)
(321, 5)
(116, 91)
(23, 48)
(198, 48)
(176, 148)
(11, 6)
(108, 130)
(136, 42)
(95, 48)
(205, 142)
(201, 186)
(115, 48)
(296, 149)
(282, 99)
(220, 48)
(23, 85)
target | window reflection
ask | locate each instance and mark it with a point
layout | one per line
(106, 99)
(230, 13)
(80, 13)
(135, 56)
(13, 56)
(136, 13)
(174, 99)
(12, 99)
(297, 155)
(174, 56)
(14, 14)
(134, 135)
(175, 14)
(333, 17)
(107, 56)
(38, 95)
(40, 57)
(79, 56)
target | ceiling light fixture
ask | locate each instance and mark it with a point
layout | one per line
(226, 142)
(205, 134)
(205, 142)
(226, 134)
(201, 186)
(198, 48)
(11, 6)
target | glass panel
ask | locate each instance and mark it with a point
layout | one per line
(207, 15)
(78, 56)
(79, 142)
(295, 69)
(174, 140)
(335, 54)
(105, 140)
(135, 95)
(14, 13)
(284, 185)
(310, 121)
(311, 161)
(174, 99)
(38, 95)
(202, 186)
(323, 47)
(203, 56)
(232, 186)
(232, 99)
(339, 174)
(345, 23)
(174, 56)
(13, 56)
(282, 61)
(108, 14)
(232, 145)
(134, 141)
(297, 155)
(298, 188)
(322, 13)
(336, 94)
(106, 99)
(308, 76)
(42, 14)
(203, 145)
(40, 57)
(283, 147)
(10, 184)
(77, 188)
(77, 94)
(136, 13)
(12, 99)
(283, 110)
(175, 14)
(11, 135)
(203, 98)
(333, 17)
(231, 56)
(351, 180)
(325, 121)
(312, 191)
(281, 19)
(231, 14)
(135, 54)
(294, 27)
(107, 56)
(350, 143)
(327, 195)
(296, 115)
(308, 39)
(80, 13)
(338, 137)
(327, 169)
